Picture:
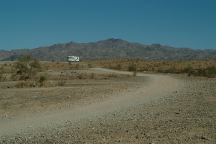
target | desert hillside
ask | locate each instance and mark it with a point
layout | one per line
(110, 48)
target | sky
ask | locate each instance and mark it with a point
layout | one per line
(179, 23)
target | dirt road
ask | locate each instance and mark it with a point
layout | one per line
(122, 118)
(157, 86)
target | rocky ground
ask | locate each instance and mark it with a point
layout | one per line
(187, 115)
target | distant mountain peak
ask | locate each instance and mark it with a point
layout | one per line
(114, 40)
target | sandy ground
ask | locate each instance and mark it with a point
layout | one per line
(158, 109)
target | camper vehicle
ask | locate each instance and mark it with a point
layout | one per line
(73, 59)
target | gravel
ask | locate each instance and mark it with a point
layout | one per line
(187, 115)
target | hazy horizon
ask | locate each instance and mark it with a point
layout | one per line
(177, 23)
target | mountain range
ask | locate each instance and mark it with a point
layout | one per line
(110, 48)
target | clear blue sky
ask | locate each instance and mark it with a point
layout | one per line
(180, 23)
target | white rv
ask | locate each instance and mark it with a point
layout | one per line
(73, 59)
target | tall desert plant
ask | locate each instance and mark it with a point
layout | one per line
(26, 67)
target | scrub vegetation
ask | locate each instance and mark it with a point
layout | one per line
(191, 68)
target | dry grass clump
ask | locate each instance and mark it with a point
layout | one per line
(62, 80)
(27, 72)
(26, 68)
(5, 72)
(133, 68)
(42, 80)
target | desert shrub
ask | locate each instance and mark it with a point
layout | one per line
(77, 66)
(211, 71)
(132, 67)
(26, 67)
(42, 80)
(24, 84)
(90, 65)
(171, 70)
(35, 64)
(92, 76)
(207, 72)
(118, 67)
(81, 76)
(2, 74)
(61, 80)
(188, 70)
(195, 68)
